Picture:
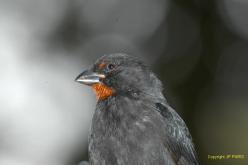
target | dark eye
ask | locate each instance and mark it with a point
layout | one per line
(110, 66)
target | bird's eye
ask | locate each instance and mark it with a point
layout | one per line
(110, 66)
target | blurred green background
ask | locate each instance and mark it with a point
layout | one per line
(198, 48)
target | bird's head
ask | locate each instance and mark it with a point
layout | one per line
(120, 74)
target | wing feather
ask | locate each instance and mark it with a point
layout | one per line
(178, 137)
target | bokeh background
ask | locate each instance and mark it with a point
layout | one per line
(198, 48)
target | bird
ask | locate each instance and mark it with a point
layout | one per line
(133, 124)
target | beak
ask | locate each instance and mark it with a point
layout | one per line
(89, 78)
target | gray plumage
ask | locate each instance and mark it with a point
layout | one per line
(136, 126)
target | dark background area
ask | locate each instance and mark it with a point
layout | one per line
(199, 49)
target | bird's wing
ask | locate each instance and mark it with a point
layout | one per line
(179, 140)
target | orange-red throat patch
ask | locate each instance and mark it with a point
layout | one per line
(102, 91)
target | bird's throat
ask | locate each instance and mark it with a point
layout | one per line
(102, 91)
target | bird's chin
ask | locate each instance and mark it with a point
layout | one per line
(102, 91)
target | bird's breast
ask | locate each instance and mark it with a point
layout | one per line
(125, 132)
